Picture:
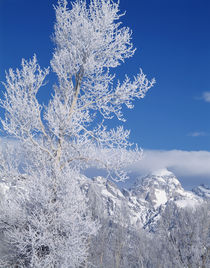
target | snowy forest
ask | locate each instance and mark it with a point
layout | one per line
(51, 214)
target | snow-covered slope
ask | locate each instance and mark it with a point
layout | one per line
(202, 191)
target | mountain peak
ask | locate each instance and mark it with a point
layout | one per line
(161, 173)
(160, 187)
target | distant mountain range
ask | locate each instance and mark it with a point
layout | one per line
(155, 223)
(142, 204)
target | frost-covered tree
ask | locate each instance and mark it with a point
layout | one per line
(181, 239)
(44, 220)
(185, 236)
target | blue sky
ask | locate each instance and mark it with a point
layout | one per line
(173, 45)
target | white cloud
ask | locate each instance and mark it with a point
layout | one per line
(198, 134)
(206, 96)
(191, 167)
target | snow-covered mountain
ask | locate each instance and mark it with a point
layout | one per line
(162, 186)
(136, 222)
(202, 191)
(142, 205)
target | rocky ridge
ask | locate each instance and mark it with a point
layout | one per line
(202, 191)
(142, 205)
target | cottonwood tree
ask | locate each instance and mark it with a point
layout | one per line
(185, 236)
(120, 247)
(44, 220)
(181, 239)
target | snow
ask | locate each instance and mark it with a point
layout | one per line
(104, 192)
(133, 199)
(161, 197)
(3, 189)
(134, 219)
(183, 203)
(100, 180)
(116, 191)
(203, 191)
(189, 199)
(181, 191)
(162, 172)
